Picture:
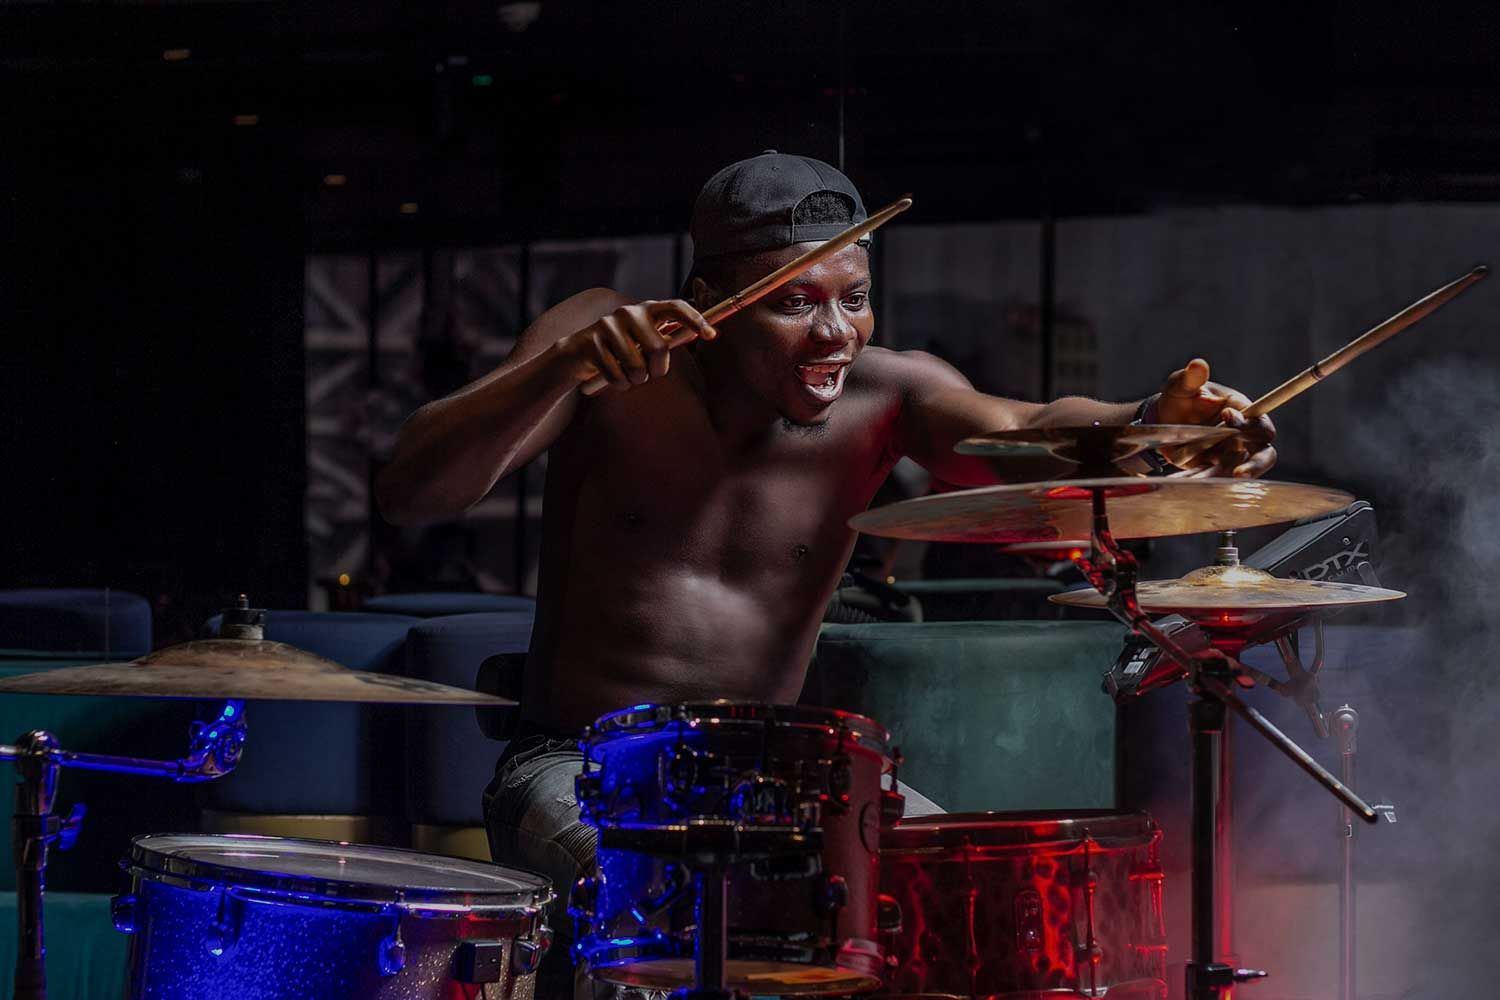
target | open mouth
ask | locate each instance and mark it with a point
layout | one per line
(825, 381)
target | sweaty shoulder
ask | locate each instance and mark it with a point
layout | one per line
(906, 372)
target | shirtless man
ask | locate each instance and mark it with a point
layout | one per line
(696, 514)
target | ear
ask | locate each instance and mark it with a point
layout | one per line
(701, 294)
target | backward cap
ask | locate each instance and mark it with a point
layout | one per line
(749, 205)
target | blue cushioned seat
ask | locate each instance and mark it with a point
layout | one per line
(450, 760)
(312, 758)
(96, 622)
(433, 605)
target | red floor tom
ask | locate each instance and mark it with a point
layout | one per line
(1026, 905)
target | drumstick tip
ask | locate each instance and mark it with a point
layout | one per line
(1480, 270)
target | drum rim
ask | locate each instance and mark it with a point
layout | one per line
(650, 717)
(151, 861)
(1023, 830)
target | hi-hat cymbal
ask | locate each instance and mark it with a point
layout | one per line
(241, 669)
(1138, 507)
(1236, 591)
(1095, 444)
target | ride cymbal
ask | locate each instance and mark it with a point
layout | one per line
(241, 669)
(1138, 507)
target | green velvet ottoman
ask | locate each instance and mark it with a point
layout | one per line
(989, 715)
(86, 956)
(119, 806)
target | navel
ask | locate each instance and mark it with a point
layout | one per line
(799, 552)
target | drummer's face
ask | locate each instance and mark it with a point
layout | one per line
(794, 347)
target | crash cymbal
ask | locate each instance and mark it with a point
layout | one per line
(1238, 591)
(241, 669)
(1139, 507)
(1094, 445)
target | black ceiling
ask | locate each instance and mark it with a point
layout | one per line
(576, 117)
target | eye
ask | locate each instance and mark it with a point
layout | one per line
(856, 301)
(794, 302)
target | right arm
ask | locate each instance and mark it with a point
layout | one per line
(453, 450)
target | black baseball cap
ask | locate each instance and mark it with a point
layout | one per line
(750, 205)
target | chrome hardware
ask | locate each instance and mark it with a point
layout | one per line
(1029, 922)
(527, 953)
(122, 912)
(224, 929)
(888, 915)
(583, 899)
(834, 894)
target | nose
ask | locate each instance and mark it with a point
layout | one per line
(833, 327)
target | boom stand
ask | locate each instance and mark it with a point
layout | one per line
(1112, 571)
(214, 752)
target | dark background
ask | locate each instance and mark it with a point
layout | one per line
(151, 300)
(151, 294)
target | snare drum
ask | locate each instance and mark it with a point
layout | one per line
(270, 918)
(1021, 904)
(808, 927)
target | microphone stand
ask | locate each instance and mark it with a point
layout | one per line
(214, 751)
(1212, 676)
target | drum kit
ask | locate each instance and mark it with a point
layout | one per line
(742, 848)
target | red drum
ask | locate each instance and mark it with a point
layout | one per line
(1024, 904)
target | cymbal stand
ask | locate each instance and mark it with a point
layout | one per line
(1210, 674)
(214, 751)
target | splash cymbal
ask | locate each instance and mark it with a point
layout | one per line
(1094, 444)
(1139, 507)
(241, 669)
(1236, 591)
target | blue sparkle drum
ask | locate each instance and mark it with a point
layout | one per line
(798, 925)
(272, 918)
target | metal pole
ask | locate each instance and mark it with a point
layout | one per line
(32, 827)
(710, 959)
(1224, 846)
(1206, 719)
(1346, 725)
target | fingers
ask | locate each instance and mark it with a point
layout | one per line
(1186, 381)
(629, 346)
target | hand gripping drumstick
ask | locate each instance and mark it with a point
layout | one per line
(765, 286)
(1370, 339)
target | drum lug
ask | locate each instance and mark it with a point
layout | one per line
(834, 895)
(888, 916)
(583, 899)
(224, 929)
(892, 807)
(840, 781)
(392, 950)
(527, 953)
(122, 912)
(1030, 934)
(587, 788)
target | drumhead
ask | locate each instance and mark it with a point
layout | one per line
(334, 871)
(1031, 832)
(704, 714)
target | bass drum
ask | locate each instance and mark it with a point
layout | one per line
(272, 918)
(812, 927)
(1026, 905)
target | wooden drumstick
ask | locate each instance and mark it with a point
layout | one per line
(765, 286)
(1370, 339)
